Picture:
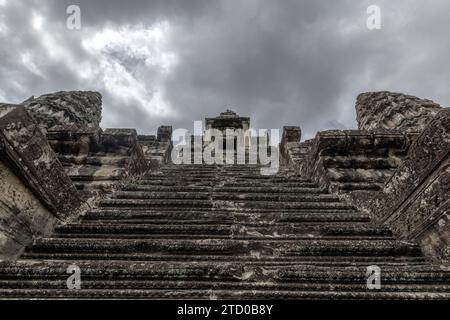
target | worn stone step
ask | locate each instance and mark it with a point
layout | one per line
(218, 294)
(179, 178)
(92, 160)
(349, 175)
(174, 183)
(225, 270)
(269, 190)
(292, 204)
(138, 187)
(352, 247)
(230, 247)
(195, 203)
(344, 230)
(358, 186)
(222, 217)
(250, 235)
(248, 183)
(252, 259)
(161, 195)
(231, 228)
(144, 229)
(359, 162)
(208, 285)
(275, 197)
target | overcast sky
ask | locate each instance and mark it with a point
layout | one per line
(287, 62)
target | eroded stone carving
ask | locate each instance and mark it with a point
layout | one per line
(66, 109)
(397, 111)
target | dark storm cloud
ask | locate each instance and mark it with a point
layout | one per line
(279, 62)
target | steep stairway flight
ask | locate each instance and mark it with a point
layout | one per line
(210, 231)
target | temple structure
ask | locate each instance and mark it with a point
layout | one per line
(108, 208)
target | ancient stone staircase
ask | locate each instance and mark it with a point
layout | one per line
(207, 231)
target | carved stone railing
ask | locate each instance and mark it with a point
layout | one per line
(415, 201)
(35, 192)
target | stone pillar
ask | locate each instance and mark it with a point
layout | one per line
(164, 134)
(291, 134)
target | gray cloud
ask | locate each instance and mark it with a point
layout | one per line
(281, 63)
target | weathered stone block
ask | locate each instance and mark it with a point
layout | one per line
(291, 134)
(121, 137)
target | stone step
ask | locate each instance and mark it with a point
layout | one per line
(154, 285)
(225, 271)
(138, 187)
(353, 230)
(104, 185)
(290, 205)
(217, 294)
(168, 183)
(92, 160)
(170, 216)
(178, 175)
(253, 259)
(95, 173)
(358, 186)
(270, 190)
(243, 229)
(154, 216)
(307, 247)
(155, 203)
(161, 195)
(76, 229)
(349, 175)
(358, 162)
(248, 183)
(275, 197)
(242, 203)
(220, 195)
(216, 230)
